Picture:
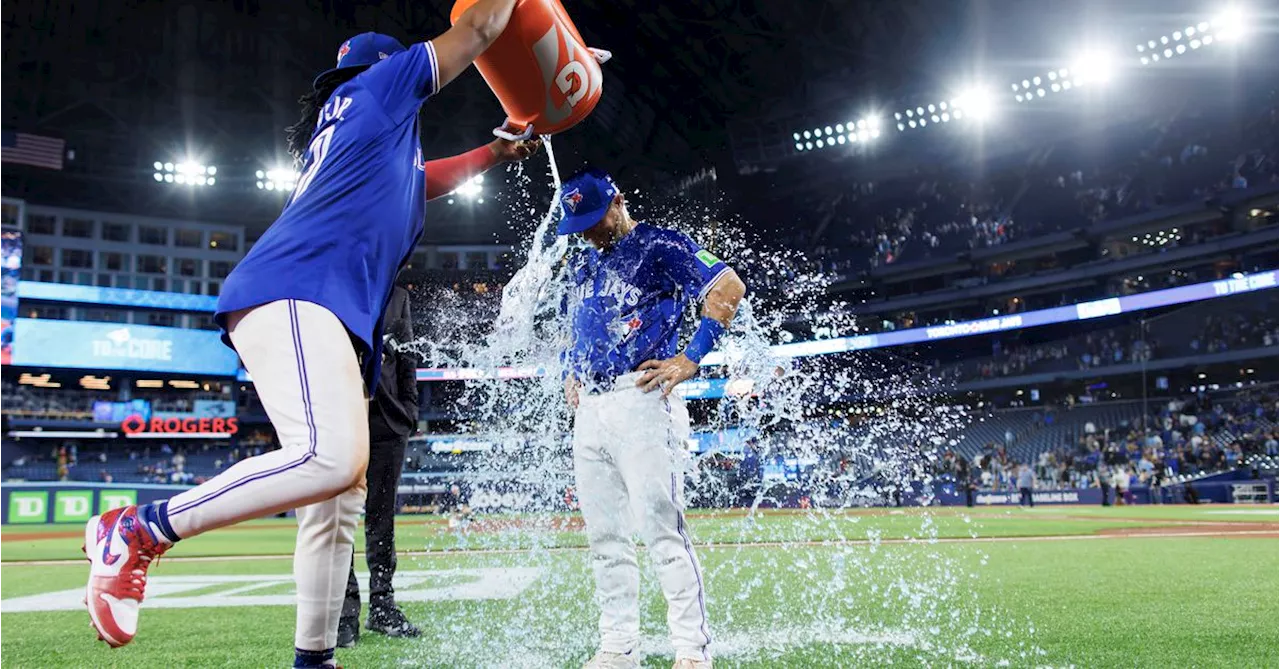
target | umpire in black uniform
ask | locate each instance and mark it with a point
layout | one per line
(393, 415)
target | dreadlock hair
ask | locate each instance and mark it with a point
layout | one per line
(298, 135)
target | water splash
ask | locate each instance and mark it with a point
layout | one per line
(828, 434)
(526, 300)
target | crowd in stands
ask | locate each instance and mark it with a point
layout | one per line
(1109, 347)
(937, 216)
(1182, 155)
(123, 461)
(57, 403)
(1179, 335)
(28, 401)
(1187, 436)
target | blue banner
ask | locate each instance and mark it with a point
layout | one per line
(728, 440)
(714, 389)
(202, 409)
(114, 412)
(140, 348)
(10, 270)
(1075, 312)
(120, 297)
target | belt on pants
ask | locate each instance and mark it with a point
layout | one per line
(600, 385)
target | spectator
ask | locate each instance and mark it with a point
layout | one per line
(1104, 483)
(1121, 485)
(1026, 482)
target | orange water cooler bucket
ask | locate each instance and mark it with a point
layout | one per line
(545, 76)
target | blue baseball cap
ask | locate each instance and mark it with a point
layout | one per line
(362, 51)
(585, 198)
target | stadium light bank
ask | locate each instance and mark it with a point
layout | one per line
(1094, 66)
(185, 173)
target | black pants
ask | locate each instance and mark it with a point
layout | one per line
(1025, 498)
(386, 460)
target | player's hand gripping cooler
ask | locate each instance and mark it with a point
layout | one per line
(543, 73)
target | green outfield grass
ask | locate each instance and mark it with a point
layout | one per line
(1169, 601)
(275, 536)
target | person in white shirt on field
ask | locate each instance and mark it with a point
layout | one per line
(1121, 484)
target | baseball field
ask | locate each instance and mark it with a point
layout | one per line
(1053, 586)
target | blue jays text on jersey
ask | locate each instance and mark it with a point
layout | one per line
(626, 304)
(357, 209)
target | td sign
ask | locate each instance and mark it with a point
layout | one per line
(71, 506)
(114, 499)
(64, 506)
(29, 507)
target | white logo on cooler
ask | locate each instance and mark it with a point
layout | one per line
(547, 52)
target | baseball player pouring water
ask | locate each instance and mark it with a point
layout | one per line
(305, 311)
(628, 298)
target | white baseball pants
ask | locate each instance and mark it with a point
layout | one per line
(628, 458)
(305, 370)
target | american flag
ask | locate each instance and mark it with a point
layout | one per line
(34, 150)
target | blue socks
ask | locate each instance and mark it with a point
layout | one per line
(156, 517)
(310, 659)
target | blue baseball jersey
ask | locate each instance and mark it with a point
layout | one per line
(356, 212)
(625, 304)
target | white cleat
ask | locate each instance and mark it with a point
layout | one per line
(605, 660)
(119, 550)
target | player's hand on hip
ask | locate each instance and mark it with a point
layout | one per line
(666, 374)
(507, 151)
(571, 389)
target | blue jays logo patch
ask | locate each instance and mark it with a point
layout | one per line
(626, 327)
(571, 200)
(344, 50)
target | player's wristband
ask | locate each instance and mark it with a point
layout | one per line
(709, 332)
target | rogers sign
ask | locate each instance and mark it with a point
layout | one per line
(136, 424)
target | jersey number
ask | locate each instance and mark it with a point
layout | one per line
(318, 149)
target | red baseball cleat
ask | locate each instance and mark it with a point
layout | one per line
(120, 549)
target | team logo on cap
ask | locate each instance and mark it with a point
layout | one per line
(344, 50)
(571, 200)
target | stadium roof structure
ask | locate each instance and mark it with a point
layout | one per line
(216, 82)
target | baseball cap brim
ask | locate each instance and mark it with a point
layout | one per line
(318, 82)
(582, 221)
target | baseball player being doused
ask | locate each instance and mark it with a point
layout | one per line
(628, 297)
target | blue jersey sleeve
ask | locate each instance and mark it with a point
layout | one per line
(404, 80)
(690, 266)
